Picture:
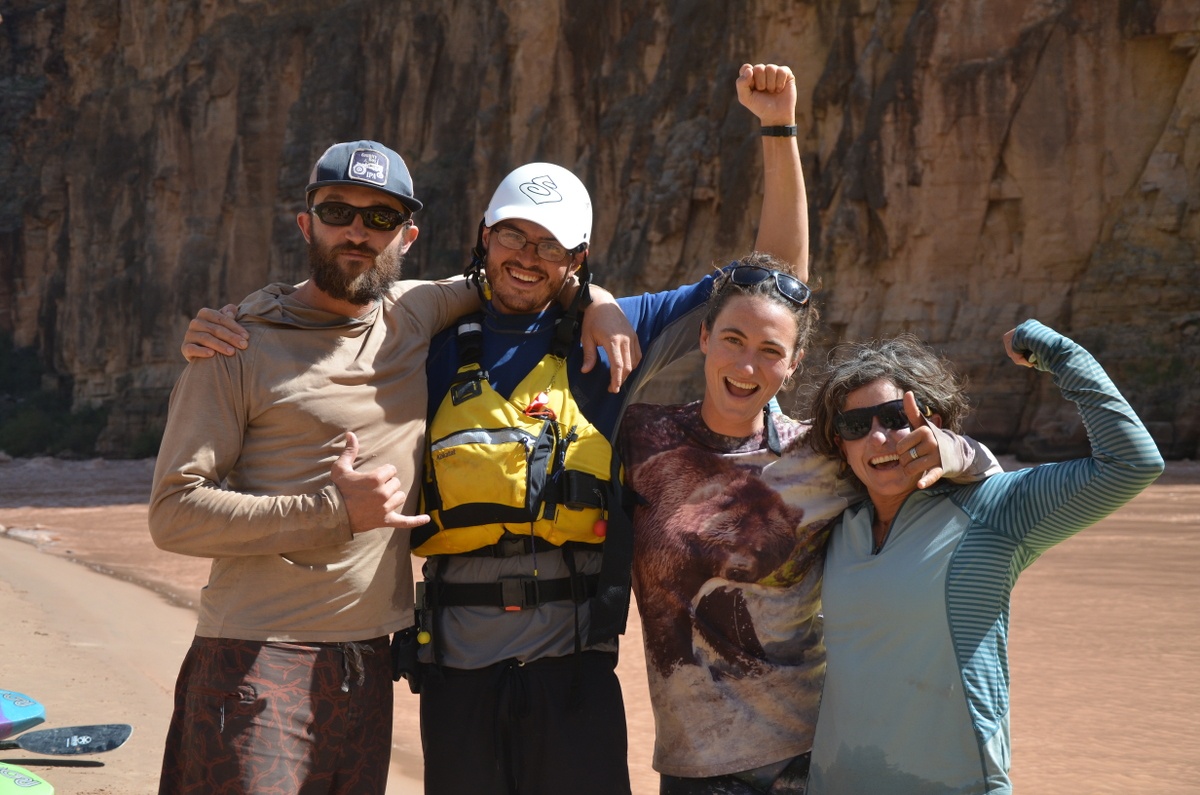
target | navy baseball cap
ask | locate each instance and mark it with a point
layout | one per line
(366, 163)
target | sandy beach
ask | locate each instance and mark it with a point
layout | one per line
(1105, 638)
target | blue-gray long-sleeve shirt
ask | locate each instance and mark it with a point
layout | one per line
(916, 693)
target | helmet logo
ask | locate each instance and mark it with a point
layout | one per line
(541, 190)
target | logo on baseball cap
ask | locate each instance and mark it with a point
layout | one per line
(365, 163)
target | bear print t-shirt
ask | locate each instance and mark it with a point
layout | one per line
(728, 552)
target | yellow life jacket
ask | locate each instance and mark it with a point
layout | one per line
(531, 464)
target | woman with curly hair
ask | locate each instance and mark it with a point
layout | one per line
(917, 582)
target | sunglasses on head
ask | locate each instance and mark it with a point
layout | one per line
(788, 286)
(381, 219)
(856, 423)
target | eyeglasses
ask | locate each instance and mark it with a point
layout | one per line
(381, 219)
(514, 240)
(788, 286)
(856, 423)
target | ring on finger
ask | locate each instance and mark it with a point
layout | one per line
(913, 452)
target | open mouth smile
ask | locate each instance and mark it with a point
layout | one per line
(522, 276)
(741, 388)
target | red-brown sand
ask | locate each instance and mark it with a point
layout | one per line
(1105, 638)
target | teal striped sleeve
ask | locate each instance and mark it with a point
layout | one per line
(1047, 504)
(1016, 516)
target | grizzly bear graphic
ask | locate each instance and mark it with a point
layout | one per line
(705, 518)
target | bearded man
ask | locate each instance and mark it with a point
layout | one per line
(287, 686)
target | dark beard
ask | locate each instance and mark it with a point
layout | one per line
(518, 304)
(360, 290)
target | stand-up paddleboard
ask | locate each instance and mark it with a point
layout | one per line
(15, 780)
(18, 712)
(72, 740)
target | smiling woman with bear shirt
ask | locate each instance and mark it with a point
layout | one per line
(730, 532)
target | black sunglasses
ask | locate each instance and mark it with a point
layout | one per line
(856, 423)
(381, 219)
(788, 286)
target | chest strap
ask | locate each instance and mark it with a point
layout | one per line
(511, 546)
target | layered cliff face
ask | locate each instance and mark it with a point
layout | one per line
(970, 164)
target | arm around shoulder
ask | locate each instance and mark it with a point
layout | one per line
(605, 326)
(438, 303)
(965, 460)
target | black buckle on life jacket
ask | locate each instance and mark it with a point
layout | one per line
(467, 385)
(581, 490)
(518, 594)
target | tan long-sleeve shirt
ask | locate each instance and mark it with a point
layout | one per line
(242, 476)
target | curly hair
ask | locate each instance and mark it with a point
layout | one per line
(724, 289)
(906, 362)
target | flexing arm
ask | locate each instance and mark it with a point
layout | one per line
(671, 319)
(1044, 505)
(769, 91)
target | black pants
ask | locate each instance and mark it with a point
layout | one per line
(552, 726)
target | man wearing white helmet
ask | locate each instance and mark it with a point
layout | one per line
(526, 581)
(535, 195)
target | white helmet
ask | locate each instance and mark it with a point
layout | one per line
(545, 194)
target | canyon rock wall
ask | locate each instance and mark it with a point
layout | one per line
(970, 163)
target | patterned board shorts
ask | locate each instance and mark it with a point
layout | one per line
(256, 718)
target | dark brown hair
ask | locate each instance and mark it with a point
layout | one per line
(724, 288)
(906, 362)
